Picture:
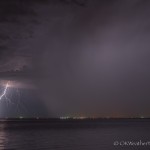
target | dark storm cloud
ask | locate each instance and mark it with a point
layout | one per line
(88, 57)
(17, 19)
(96, 57)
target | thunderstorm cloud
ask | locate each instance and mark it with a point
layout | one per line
(85, 57)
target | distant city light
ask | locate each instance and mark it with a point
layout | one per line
(20, 117)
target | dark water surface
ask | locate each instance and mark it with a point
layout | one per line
(89, 135)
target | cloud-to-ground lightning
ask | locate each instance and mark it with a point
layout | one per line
(20, 106)
(4, 92)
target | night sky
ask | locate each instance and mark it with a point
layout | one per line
(75, 58)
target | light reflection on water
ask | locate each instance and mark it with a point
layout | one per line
(30, 137)
(3, 137)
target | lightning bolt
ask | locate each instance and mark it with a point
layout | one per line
(20, 105)
(4, 92)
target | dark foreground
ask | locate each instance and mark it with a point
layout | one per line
(87, 134)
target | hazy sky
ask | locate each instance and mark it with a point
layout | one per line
(75, 57)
